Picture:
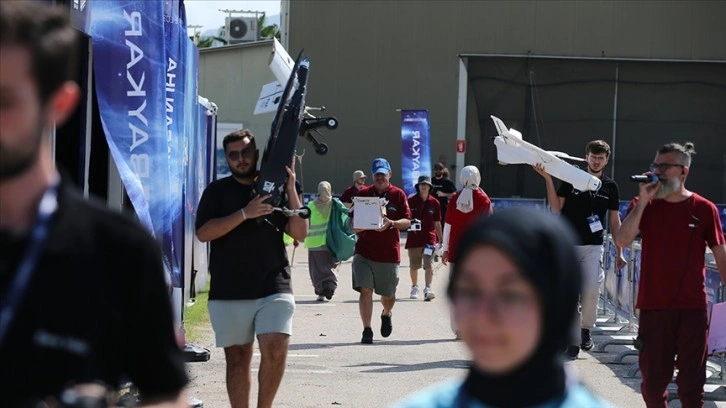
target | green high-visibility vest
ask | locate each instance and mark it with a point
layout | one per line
(318, 227)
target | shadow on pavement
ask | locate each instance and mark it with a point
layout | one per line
(397, 368)
(311, 346)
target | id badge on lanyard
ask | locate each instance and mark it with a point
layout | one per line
(19, 285)
(595, 223)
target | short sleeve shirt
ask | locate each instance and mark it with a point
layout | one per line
(384, 246)
(249, 262)
(428, 212)
(674, 237)
(579, 205)
(444, 185)
(348, 194)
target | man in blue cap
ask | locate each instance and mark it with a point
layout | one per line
(378, 252)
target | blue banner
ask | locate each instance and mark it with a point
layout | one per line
(175, 40)
(130, 75)
(415, 149)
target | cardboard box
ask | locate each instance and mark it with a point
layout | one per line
(367, 213)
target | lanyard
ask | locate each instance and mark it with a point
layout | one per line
(47, 207)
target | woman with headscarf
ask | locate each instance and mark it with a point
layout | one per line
(321, 263)
(517, 275)
(465, 206)
(470, 203)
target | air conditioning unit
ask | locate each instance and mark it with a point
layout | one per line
(241, 29)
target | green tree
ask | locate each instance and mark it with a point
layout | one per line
(208, 41)
(267, 32)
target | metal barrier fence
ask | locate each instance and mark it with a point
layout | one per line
(619, 296)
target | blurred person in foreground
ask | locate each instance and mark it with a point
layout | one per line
(83, 300)
(517, 274)
(675, 226)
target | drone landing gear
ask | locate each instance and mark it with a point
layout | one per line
(312, 124)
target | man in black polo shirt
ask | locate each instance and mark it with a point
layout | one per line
(250, 293)
(82, 292)
(443, 189)
(586, 212)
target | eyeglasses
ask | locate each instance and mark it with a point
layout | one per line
(508, 304)
(663, 166)
(245, 153)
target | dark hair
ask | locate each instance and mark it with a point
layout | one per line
(238, 135)
(598, 147)
(684, 151)
(47, 33)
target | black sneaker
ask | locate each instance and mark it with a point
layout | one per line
(572, 352)
(386, 325)
(367, 336)
(587, 343)
(328, 292)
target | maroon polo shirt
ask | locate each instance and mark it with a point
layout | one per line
(429, 212)
(384, 246)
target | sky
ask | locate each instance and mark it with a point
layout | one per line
(206, 12)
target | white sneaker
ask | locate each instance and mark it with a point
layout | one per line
(321, 298)
(414, 292)
(428, 294)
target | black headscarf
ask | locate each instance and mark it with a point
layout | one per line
(543, 247)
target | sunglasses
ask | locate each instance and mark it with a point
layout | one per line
(244, 153)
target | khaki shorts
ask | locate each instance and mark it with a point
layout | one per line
(416, 257)
(382, 277)
(235, 322)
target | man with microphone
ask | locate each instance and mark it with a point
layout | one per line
(675, 226)
(586, 211)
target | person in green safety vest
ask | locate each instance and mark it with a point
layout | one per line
(321, 264)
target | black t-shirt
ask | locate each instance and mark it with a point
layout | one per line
(579, 205)
(249, 262)
(96, 308)
(445, 185)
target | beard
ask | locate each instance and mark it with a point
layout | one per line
(249, 173)
(15, 162)
(667, 187)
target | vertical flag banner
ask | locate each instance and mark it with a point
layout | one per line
(415, 148)
(175, 40)
(130, 76)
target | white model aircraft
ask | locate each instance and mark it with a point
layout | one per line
(281, 66)
(512, 149)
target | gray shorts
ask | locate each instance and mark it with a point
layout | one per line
(235, 322)
(416, 257)
(382, 277)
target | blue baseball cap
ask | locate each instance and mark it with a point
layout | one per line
(380, 165)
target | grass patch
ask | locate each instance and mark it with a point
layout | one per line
(196, 317)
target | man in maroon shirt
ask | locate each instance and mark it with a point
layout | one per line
(675, 226)
(378, 252)
(420, 243)
(359, 181)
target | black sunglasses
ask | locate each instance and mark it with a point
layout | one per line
(246, 153)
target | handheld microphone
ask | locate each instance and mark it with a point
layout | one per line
(641, 178)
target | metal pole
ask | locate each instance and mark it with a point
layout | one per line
(615, 118)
